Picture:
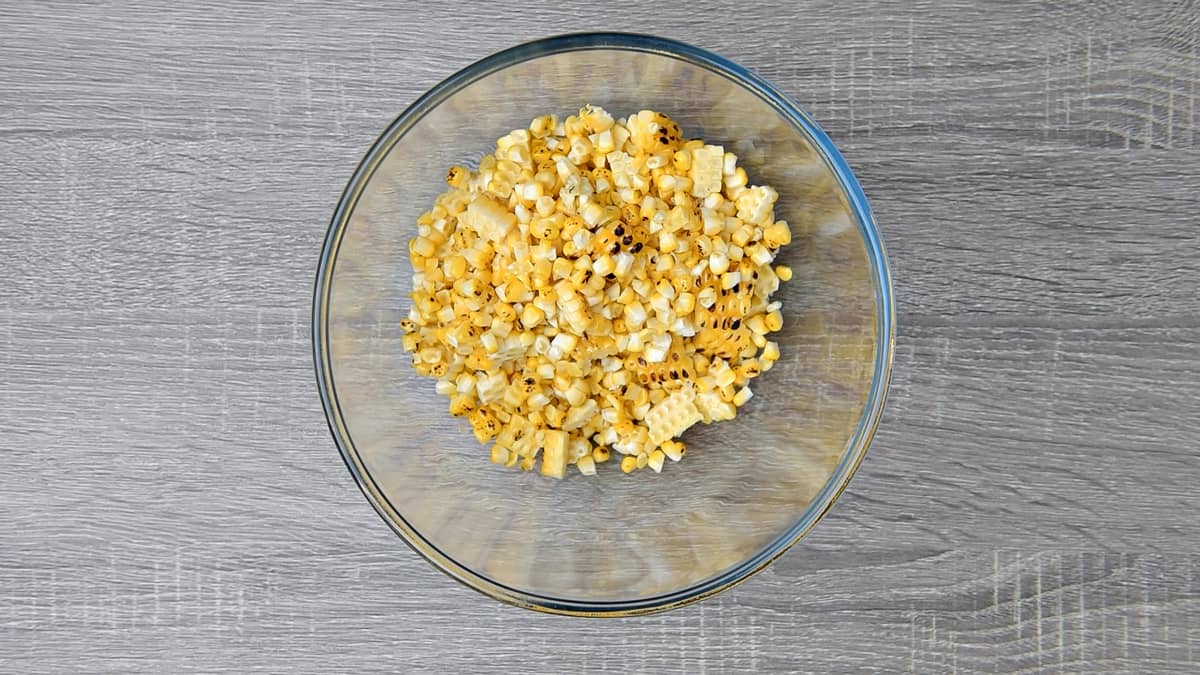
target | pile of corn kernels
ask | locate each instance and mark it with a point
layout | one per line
(598, 285)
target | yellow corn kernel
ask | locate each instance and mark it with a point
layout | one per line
(531, 316)
(777, 235)
(511, 460)
(544, 229)
(742, 236)
(783, 272)
(640, 461)
(461, 405)
(673, 450)
(757, 324)
(773, 321)
(655, 461)
(527, 463)
(744, 394)
(410, 342)
(484, 424)
(600, 454)
(499, 454)
(685, 303)
(504, 312)
(457, 177)
(421, 246)
(770, 353)
(748, 370)
(479, 360)
(543, 126)
(628, 464)
(554, 415)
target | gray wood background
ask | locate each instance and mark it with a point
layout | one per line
(170, 498)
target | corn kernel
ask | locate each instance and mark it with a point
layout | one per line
(770, 352)
(777, 235)
(773, 321)
(586, 466)
(655, 461)
(499, 454)
(674, 450)
(421, 246)
(783, 272)
(531, 316)
(629, 464)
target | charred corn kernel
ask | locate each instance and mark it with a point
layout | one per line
(410, 342)
(748, 369)
(504, 312)
(783, 272)
(629, 464)
(461, 405)
(457, 177)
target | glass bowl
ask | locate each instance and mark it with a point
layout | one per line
(612, 544)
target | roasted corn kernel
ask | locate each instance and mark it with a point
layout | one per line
(596, 283)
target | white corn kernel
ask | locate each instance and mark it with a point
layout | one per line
(718, 263)
(624, 263)
(586, 466)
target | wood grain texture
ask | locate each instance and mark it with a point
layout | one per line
(171, 499)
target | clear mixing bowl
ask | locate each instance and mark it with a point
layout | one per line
(612, 544)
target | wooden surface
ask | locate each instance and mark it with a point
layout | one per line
(171, 501)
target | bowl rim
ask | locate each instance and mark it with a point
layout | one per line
(857, 202)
